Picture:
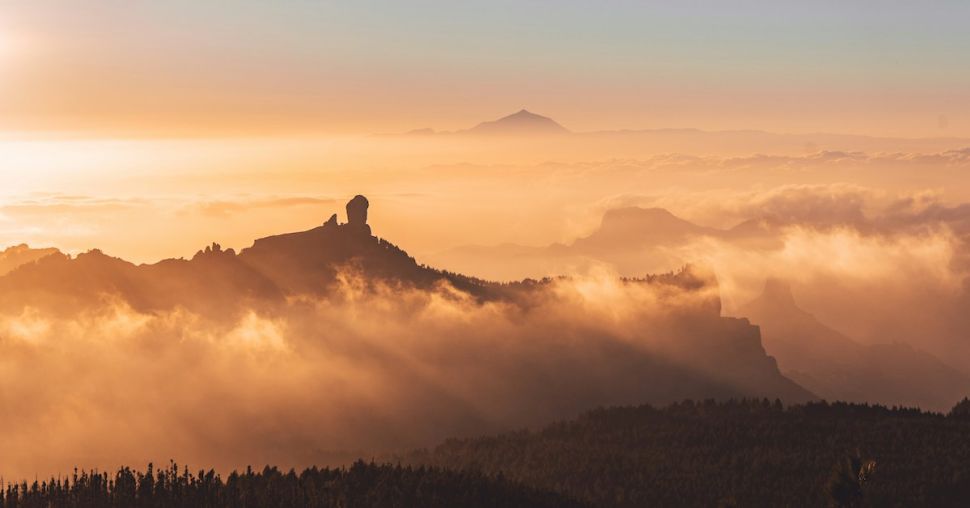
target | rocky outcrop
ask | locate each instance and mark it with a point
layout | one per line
(214, 250)
(357, 214)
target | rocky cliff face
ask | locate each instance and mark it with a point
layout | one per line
(837, 367)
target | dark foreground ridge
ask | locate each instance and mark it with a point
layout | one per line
(362, 485)
(735, 453)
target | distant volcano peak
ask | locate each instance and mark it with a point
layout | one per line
(520, 122)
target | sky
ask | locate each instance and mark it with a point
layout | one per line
(179, 68)
(150, 129)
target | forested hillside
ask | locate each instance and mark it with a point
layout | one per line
(736, 453)
(361, 486)
(747, 453)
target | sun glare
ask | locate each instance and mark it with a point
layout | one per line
(7, 46)
(5, 41)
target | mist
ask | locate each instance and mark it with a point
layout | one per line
(311, 381)
(362, 373)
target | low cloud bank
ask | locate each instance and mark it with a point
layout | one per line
(323, 380)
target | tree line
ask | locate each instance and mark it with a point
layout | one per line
(709, 453)
(362, 485)
(734, 453)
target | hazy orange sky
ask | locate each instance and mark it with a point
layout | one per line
(150, 129)
(223, 68)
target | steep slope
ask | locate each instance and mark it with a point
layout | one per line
(838, 368)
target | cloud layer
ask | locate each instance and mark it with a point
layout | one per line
(321, 380)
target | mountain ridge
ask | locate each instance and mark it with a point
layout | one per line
(799, 142)
(697, 353)
(623, 234)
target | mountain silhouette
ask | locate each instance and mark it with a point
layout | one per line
(216, 280)
(17, 255)
(520, 123)
(629, 238)
(836, 367)
(634, 227)
(306, 262)
(699, 353)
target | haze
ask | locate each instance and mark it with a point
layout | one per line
(809, 161)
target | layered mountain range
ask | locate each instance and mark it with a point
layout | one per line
(627, 238)
(714, 355)
(527, 127)
(694, 352)
(825, 361)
